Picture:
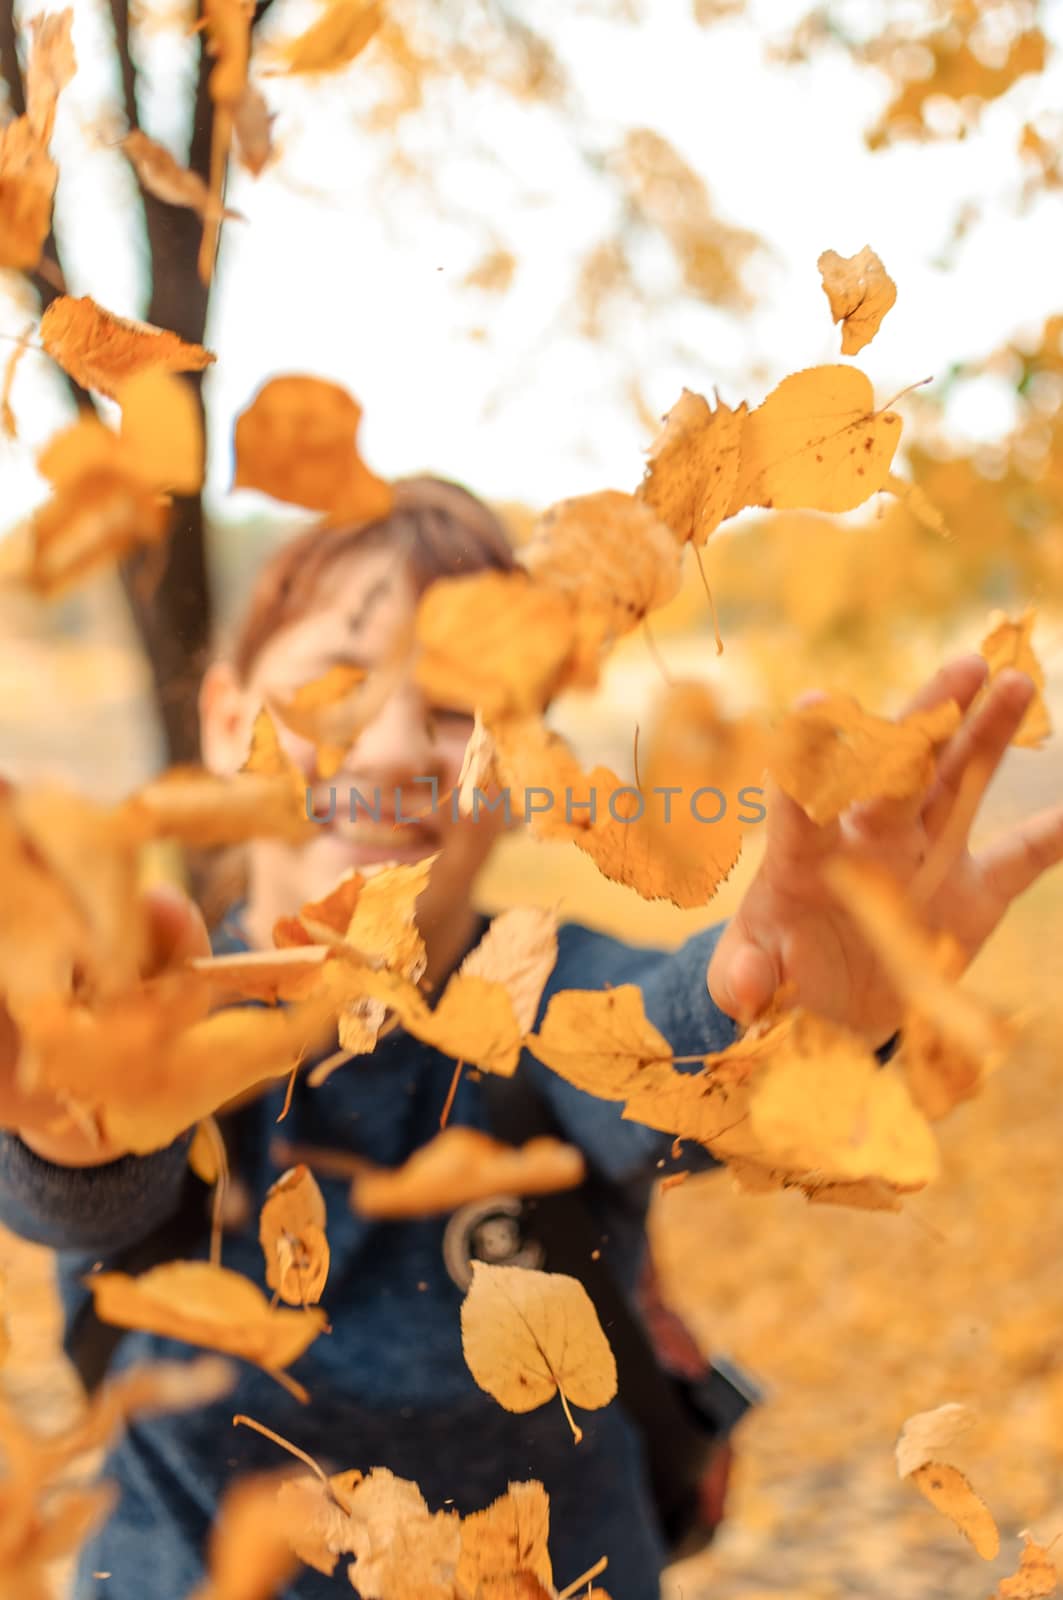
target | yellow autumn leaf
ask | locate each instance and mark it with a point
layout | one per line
(860, 291)
(297, 441)
(162, 429)
(1009, 644)
(509, 1537)
(612, 554)
(339, 35)
(692, 471)
(291, 1231)
(460, 1165)
(519, 951)
(206, 1305)
(833, 754)
(816, 443)
(529, 1335)
(496, 641)
(102, 351)
(1036, 1578)
(950, 1493)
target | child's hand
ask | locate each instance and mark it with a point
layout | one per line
(177, 934)
(790, 927)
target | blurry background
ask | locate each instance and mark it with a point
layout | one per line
(515, 233)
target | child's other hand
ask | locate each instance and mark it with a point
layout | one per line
(176, 934)
(790, 927)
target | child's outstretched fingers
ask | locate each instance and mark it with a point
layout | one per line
(741, 977)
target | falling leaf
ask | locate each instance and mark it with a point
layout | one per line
(253, 130)
(860, 291)
(101, 351)
(400, 1547)
(519, 951)
(692, 473)
(1009, 644)
(340, 34)
(269, 975)
(949, 1492)
(925, 1439)
(529, 1335)
(27, 184)
(50, 65)
(8, 421)
(498, 641)
(816, 443)
(164, 177)
(460, 1165)
(203, 808)
(162, 427)
(609, 552)
(507, 1539)
(206, 1305)
(1036, 1578)
(249, 1554)
(830, 755)
(292, 1235)
(297, 441)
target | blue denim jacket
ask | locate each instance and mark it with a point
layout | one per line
(389, 1385)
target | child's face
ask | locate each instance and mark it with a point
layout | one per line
(364, 606)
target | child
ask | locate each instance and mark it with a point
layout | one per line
(390, 1386)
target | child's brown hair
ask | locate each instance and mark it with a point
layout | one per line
(441, 528)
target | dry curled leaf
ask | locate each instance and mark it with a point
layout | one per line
(692, 471)
(506, 1541)
(529, 1335)
(463, 1164)
(297, 441)
(860, 291)
(1009, 644)
(291, 1231)
(101, 351)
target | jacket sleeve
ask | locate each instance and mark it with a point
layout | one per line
(677, 1001)
(93, 1209)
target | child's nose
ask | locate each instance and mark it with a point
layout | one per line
(398, 745)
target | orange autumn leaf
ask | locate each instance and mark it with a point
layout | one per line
(162, 429)
(297, 441)
(530, 1335)
(816, 443)
(605, 818)
(860, 291)
(1036, 1578)
(609, 552)
(209, 1306)
(28, 178)
(147, 1064)
(1009, 644)
(463, 1164)
(926, 1443)
(291, 1232)
(497, 641)
(833, 754)
(249, 1553)
(101, 351)
(332, 710)
(199, 807)
(507, 1540)
(8, 421)
(269, 975)
(338, 36)
(692, 470)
